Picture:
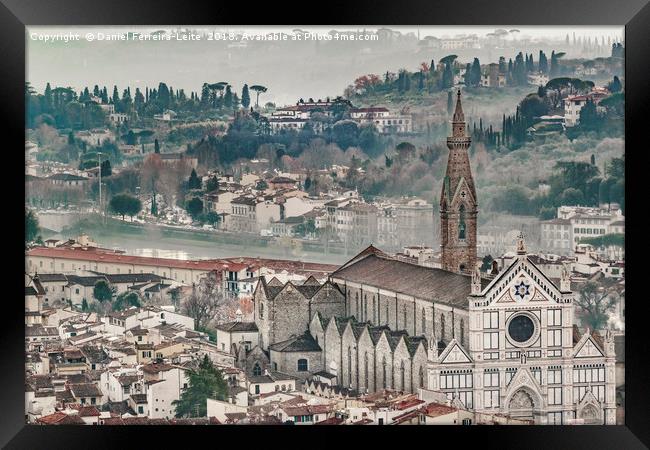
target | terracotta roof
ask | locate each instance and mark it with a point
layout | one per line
(85, 390)
(60, 418)
(127, 380)
(88, 411)
(331, 421)
(436, 409)
(156, 367)
(303, 343)
(40, 330)
(108, 256)
(139, 398)
(237, 326)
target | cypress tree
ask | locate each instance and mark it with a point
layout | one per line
(245, 97)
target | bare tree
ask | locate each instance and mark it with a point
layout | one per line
(206, 302)
(595, 303)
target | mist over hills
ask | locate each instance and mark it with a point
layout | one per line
(290, 69)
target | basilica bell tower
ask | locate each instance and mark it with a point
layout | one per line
(458, 202)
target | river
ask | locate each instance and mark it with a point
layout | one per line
(153, 241)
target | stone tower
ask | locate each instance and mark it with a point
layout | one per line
(458, 203)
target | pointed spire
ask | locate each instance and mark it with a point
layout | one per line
(458, 113)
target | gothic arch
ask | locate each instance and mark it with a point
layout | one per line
(462, 225)
(424, 322)
(591, 415)
(523, 402)
(462, 332)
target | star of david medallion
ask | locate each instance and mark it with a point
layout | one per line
(522, 290)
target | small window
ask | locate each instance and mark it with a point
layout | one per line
(302, 365)
(257, 370)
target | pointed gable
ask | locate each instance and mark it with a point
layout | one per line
(274, 282)
(370, 250)
(463, 186)
(311, 281)
(454, 354)
(521, 282)
(415, 342)
(587, 347)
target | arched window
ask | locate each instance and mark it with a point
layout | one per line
(404, 311)
(461, 222)
(261, 310)
(365, 369)
(365, 307)
(462, 331)
(442, 327)
(302, 365)
(387, 315)
(356, 297)
(349, 366)
(424, 322)
(402, 379)
(383, 369)
(257, 370)
(421, 377)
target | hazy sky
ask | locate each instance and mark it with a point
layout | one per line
(289, 69)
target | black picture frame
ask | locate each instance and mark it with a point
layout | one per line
(16, 14)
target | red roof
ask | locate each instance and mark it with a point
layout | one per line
(436, 409)
(331, 421)
(406, 416)
(404, 404)
(88, 411)
(114, 257)
(234, 264)
(60, 418)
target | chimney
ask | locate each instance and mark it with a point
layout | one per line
(238, 315)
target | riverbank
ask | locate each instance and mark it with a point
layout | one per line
(156, 240)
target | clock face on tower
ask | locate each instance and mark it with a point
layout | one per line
(521, 328)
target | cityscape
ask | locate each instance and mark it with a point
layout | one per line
(425, 226)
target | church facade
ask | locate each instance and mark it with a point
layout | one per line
(505, 344)
(524, 357)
